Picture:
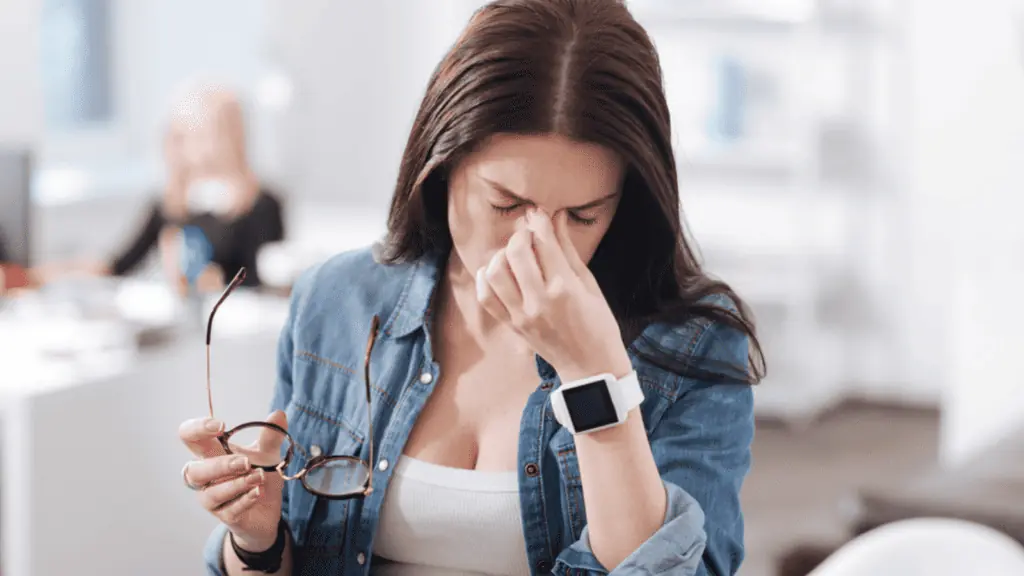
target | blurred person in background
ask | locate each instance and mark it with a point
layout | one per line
(554, 384)
(213, 207)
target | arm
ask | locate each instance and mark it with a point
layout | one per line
(144, 241)
(219, 557)
(671, 505)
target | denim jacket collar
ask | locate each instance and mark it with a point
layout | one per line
(410, 314)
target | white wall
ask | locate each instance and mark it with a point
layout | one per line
(21, 111)
(360, 70)
(965, 275)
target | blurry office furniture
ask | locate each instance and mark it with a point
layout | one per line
(16, 205)
(986, 491)
(785, 183)
(317, 231)
(927, 547)
(15, 217)
(77, 389)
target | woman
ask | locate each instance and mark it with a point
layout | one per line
(534, 241)
(211, 194)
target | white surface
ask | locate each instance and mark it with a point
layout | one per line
(927, 547)
(92, 466)
(441, 520)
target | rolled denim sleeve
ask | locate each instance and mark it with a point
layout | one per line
(213, 554)
(702, 448)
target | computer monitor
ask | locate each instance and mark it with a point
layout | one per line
(16, 205)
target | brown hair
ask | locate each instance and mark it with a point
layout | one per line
(584, 69)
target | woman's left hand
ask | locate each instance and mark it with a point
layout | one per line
(540, 286)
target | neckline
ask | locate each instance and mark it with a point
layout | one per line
(457, 478)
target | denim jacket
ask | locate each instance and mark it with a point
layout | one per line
(700, 432)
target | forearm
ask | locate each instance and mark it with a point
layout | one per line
(234, 566)
(622, 488)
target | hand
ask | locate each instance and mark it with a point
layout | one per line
(247, 501)
(540, 286)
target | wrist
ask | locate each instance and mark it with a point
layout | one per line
(255, 542)
(617, 364)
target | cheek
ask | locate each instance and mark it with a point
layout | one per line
(478, 231)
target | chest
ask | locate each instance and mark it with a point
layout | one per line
(472, 417)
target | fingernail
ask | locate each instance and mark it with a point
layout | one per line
(240, 464)
(214, 425)
(256, 477)
(480, 293)
(255, 492)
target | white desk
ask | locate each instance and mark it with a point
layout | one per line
(90, 470)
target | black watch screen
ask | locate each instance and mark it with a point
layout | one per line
(590, 406)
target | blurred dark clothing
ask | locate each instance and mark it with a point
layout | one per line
(235, 243)
(4, 255)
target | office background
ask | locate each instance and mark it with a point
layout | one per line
(853, 167)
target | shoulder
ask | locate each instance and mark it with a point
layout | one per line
(704, 347)
(347, 289)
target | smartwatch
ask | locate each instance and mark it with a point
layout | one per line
(595, 403)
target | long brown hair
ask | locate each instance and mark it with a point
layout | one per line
(584, 69)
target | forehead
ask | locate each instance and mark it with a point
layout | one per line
(538, 167)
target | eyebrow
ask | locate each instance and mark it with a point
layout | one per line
(504, 191)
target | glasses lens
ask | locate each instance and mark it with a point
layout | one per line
(265, 446)
(337, 476)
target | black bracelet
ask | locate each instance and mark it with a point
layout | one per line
(268, 561)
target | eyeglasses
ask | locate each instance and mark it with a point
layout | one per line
(331, 477)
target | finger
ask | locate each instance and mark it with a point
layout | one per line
(231, 512)
(220, 495)
(499, 276)
(488, 299)
(523, 263)
(550, 257)
(200, 436)
(577, 264)
(216, 469)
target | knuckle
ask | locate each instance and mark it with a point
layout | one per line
(556, 289)
(230, 516)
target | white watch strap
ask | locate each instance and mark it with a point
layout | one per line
(630, 395)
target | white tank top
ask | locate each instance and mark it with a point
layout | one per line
(437, 520)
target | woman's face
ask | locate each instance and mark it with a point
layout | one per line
(509, 174)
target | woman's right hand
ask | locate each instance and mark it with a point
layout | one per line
(246, 500)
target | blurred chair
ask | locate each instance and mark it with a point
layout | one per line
(927, 547)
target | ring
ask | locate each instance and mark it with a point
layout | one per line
(184, 477)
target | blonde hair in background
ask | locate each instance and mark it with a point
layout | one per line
(200, 103)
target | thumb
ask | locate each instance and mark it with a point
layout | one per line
(271, 439)
(571, 255)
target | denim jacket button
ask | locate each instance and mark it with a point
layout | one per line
(544, 566)
(426, 378)
(315, 451)
(361, 558)
(532, 470)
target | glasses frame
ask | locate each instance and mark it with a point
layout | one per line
(312, 463)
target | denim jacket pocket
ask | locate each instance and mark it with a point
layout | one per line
(319, 525)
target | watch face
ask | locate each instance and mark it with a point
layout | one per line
(590, 406)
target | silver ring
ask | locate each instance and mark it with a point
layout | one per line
(184, 477)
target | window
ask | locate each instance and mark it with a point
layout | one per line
(76, 64)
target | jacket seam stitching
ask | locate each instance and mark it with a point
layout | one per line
(320, 360)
